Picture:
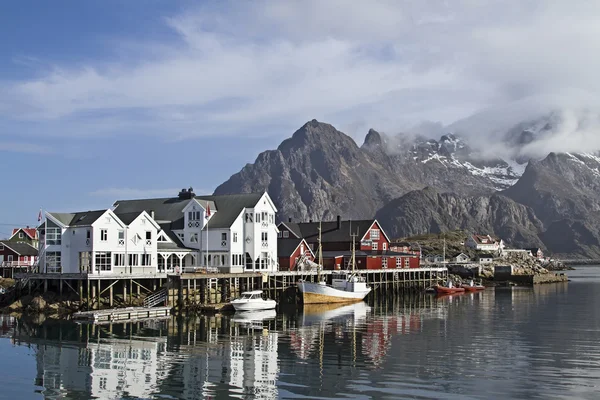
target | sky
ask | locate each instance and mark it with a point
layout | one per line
(106, 100)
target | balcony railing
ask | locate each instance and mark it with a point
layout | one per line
(16, 264)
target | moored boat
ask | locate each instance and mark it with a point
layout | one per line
(448, 290)
(253, 301)
(472, 287)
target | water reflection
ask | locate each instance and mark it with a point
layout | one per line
(419, 346)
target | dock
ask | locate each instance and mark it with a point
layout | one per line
(123, 314)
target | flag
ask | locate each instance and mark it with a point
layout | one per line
(40, 216)
(207, 211)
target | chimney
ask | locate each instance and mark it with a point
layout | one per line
(191, 192)
(290, 219)
(185, 195)
(152, 213)
(27, 227)
(339, 222)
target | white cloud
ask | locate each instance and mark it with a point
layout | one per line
(238, 66)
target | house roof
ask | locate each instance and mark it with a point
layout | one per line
(485, 255)
(63, 218)
(31, 232)
(128, 218)
(329, 230)
(21, 248)
(86, 218)
(458, 254)
(286, 247)
(229, 207)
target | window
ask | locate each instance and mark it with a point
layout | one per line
(374, 234)
(20, 235)
(180, 236)
(384, 262)
(286, 234)
(248, 217)
(398, 262)
(406, 263)
(10, 257)
(133, 260)
(194, 216)
(224, 236)
(1, 247)
(146, 259)
(88, 234)
(234, 237)
(161, 238)
(148, 238)
(85, 261)
(53, 236)
(103, 235)
(264, 236)
(384, 246)
(257, 217)
(194, 238)
(121, 238)
(119, 260)
(103, 259)
(53, 260)
(374, 246)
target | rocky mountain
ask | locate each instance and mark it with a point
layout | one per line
(414, 185)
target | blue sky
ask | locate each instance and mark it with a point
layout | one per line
(108, 99)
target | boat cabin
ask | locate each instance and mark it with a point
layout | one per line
(254, 295)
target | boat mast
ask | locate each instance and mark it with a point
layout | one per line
(320, 250)
(353, 258)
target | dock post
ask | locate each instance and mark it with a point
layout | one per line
(110, 296)
(60, 286)
(131, 291)
(93, 295)
(99, 291)
(87, 305)
(80, 287)
(124, 292)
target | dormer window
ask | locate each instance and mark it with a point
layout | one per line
(194, 216)
(21, 235)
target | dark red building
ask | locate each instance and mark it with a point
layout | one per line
(16, 256)
(372, 245)
(289, 252)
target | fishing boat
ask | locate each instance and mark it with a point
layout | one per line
(448, 289)
(253, 301)
(346, 286)
(472, 286)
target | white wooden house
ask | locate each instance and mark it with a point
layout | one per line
(461, 258)
(484, 243)
(229, 233)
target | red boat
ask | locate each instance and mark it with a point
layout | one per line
(473, 288)
(448, 290)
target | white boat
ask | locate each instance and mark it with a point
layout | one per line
(346, 286)
(253, 301)
(254, 316)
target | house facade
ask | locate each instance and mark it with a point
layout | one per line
(536, 252)
(485, 258)
(372, 245)
(484, 243)
(25, 235)
(461, 258)
(291, 251)
(229, 233)
(16, 257)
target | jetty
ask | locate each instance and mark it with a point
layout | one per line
(123, 314)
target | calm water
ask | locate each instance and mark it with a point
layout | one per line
(528, 343)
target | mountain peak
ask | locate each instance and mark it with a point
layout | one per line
(373, 140)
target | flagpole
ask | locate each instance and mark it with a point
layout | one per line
(207, 219)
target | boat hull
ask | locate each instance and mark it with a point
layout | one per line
(254, 305)
(314, 293)
(447, 290)
(469, 288)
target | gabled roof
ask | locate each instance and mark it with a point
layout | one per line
(165, 209)
(229, 207)
(31, 232)
(330, 231)
(21, 248)
(292, 227)
(287, 247)
(86, 218)
(63, 218)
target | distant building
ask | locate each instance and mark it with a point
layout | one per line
(484, 243)
(485, 258)
(434, 258)
(536, 252)
(291, 251)
(25, 235)
(461, 258)
(16, 257)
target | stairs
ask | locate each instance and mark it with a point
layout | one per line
(156, 298)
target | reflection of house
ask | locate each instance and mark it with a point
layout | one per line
(254, 364)
(461, 258)
(371, 243)
(16, 257)
(106, 370)
(484, 243)
(485, 258)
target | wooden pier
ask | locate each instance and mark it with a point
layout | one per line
(122, 314)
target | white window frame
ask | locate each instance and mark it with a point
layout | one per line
(146, 260)
(384, 246)
(119, 259)
(374, 246)
(21, 235)
(398, 262)
(286, 234)
(375, 234)
(234, 237)
(103, 256)
(133, 260)
(121, 236)
(384, 262)
(103, 235)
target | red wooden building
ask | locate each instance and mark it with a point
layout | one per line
(16, 256)
(372, 245)
(289, 252)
